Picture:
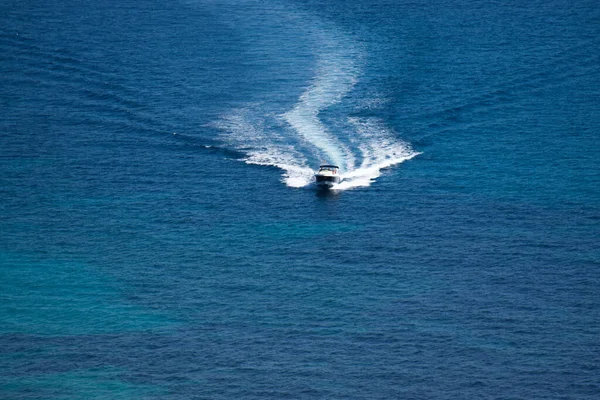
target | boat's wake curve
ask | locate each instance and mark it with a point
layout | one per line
(299, 139)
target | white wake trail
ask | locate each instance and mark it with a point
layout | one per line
(337, 73)
(380, 149)
(297, 140)
(249, 133)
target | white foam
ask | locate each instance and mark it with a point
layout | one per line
(246, 130)
(379, 148)
(298, 139)
(336, 75)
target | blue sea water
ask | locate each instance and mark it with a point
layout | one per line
(160, 236)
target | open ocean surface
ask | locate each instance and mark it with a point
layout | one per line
(160, 238)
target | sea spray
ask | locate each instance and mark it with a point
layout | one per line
(336, 74)
(299, 139)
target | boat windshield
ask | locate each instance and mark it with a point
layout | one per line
(331, 168)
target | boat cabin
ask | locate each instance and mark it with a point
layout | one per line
(328, 175)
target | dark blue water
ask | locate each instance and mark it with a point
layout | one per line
(160, 237)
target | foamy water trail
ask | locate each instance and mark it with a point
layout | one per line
(379, 148)
(337, 73)
(248, 132)
(298, 140)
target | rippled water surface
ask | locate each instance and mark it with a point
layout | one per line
(160, 235)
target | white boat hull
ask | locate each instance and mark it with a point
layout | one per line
(327, 181)
(327, 176)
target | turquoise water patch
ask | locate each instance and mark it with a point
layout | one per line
(86, 384)
(43, 297)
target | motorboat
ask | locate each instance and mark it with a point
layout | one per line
(328, 175)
